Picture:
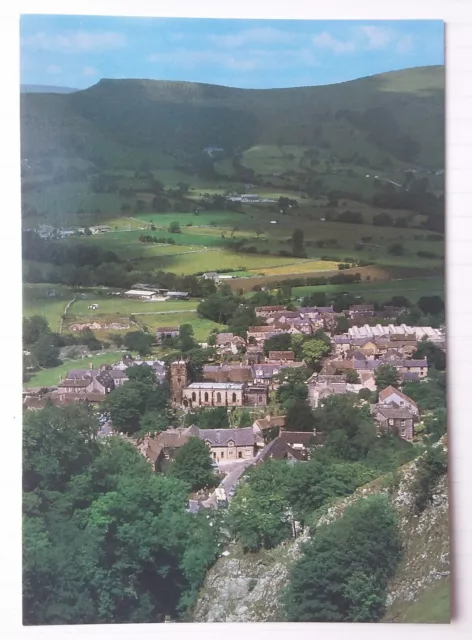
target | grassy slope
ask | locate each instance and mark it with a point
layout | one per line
(412, 288)
(416, 594)
(50, 377)
(433, 607)
(122, 119)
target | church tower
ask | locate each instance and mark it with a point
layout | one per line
(178, 380)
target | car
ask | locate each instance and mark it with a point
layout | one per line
(231, 492)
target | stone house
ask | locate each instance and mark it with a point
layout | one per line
(398, 420)
(320, 391)
(263, 374)
(87, 381)
(256, 396)
(292, 446)
(228, 343)
(280, 356)
(269, 310)
(415, 366)
(392, 396)
(226, 372)
(263, 333)
(231, 444)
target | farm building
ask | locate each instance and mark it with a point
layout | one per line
(140, 294)
(101, 228)
(162, 333)
(178, 295)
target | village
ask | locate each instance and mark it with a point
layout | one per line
(243, 375)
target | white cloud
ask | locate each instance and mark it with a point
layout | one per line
(75, 41)
(53, 70)
(242, 59)
(377, 37)
(326, 41)
(260, 36)
(365, 38)
(89, 71)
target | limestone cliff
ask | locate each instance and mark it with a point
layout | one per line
(246, 587)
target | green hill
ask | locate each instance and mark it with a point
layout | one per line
(396, 116)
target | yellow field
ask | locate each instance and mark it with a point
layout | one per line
(218, 259)
(300, 267)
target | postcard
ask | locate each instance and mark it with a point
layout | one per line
(234, 334)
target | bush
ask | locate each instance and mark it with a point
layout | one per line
(343, 573)
(430, 468)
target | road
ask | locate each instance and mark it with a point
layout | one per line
(234, 470)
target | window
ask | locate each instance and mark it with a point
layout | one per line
(230, 443)
(240, 454)
(194, 397)
(234, 397)
(206, 396)
(402, 423)
(260, 398)
(222, 455)
(214, 455)
(218, 397)
(403, 432)
(391, 422)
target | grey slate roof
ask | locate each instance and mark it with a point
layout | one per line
(220, 437)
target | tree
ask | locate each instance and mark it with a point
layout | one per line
(33, 328)
(431, 305)
(209, 418)
(386, 376)
(142, 373)
(342, 325)
(187, 338)
(299, 416)
(292, 385)
(352, 377)
(298, 243)
(127, 404)
(435, 355)
(281, 342)
(314, 350)
(219, 307)
(174, 227)
(349, 429)
(396, 249)
(243, 318)
(245, 419)
(430, 467)
(257, 515)
(193, 465)
(344, 570)
(436, 424)
(153, 422)
(138, 341)
(99, 527)
(45, 352)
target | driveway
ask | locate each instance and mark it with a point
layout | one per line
(234, 470)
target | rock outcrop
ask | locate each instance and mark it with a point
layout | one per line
(247, 587)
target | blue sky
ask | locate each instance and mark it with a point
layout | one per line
(78, 51)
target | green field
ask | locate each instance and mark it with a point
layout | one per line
(380, 291)
(50, 377)
(36, 302)
(125, 306)
(201, 326)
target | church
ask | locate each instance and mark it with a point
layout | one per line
(223, 394)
